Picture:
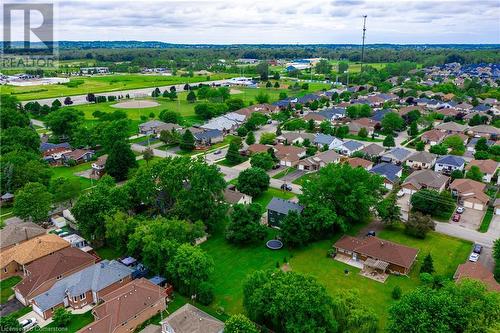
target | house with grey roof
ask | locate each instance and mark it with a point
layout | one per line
(278, 209)
(156, 127)
(396, 155)
(391, 173)
(350, 147)
(290, 138)
(83, 287)
(190, 319)
(16, 233)
(421, 160)
(322, 140)
(226, 123)
(333, 114)
(449, 163)
(423, 179)
(208, 137)
(373, 150)
(316, 162)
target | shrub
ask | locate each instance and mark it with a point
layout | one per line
(396, 293)
(205, 293)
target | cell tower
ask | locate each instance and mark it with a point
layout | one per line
(363, 45)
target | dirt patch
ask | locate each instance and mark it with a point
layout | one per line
(235, 91)
(286, 267)
(135, 104)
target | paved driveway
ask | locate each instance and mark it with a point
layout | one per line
(291, 176)
(470, 219)
(11, 306)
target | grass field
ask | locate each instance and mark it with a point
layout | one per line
(107, 252)
(485, 223)
(78, 321)
(233, 264)
(283, 173)
(302, 179)
(69, 172)
(104, 83)
(6, 288)
(266, 197)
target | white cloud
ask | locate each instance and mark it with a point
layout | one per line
(281, 21)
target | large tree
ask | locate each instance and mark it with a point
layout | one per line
(63, 122)
(389, 211)
(233, 154)
(392, 122)
(187, 141)
(119, 227)
(288, 302)
(120, 160)
(262, 160)
(474, 173)
(323, 67)
(189, 268)
(21, 167)
(432, 202)
(19, 139)
(64, 189)
(239, 323)
(33, 202)
(452, 308)
(244, 224)
(253, 181)
(344, 194)
(418, 225)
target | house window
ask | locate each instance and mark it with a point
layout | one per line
(59, 277)
(82, 296)
(75, 298)
(121, 280)
(5, 270)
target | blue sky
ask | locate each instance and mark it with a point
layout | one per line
(279, 21)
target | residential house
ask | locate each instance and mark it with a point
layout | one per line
(379, 115)
(451, 127)
(333, 114)
(359, 162)
(407, 109)
(190, 319)
(425, 179)
(350, 147)
(314, 116)
(257, 148)
(290, 138)
(373, 150)
(485, 131)
(260, 108)
(324, 140)
(16, 233)
(378, 254)
(357, 124)
(391, 173)
(43, 273)
(46, 146)
(278, 209)
(156, 127)
(396, 155)
(476, 271)
(289, 155)
(319, 160)
(208, 137)
(449, 163)
(14, 260)
(470, 193)
(79, 156)
(86, 286)
(487, 167)
(421, 160)
(127, 307)
(99, 165)
(226, 123)
(233, 196)
(55, 155)
(78, 242)
(464, 107)
(433, 137)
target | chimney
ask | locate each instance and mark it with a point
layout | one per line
(26, 233)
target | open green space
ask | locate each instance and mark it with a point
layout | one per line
(234, 263)
(78, 321)
(109, 253)
(104, 83)
(6, 288)
(283, 173)
(69, 172)
(487, 218)
(225, 162)
(302, 179)
(21, 312)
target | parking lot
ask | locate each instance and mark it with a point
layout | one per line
(470, 219)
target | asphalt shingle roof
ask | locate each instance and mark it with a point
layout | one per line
(283, 206)
(387, 170)
(451, 160)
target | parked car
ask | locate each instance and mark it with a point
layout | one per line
(286, 187)
(474, 257)
(217, 152)
(460, 209)
(477, 249)
(400, 193)
(276, 166)
(456, 218)
(28, 324)
(370, 233)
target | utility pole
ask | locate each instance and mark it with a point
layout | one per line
(363, 44)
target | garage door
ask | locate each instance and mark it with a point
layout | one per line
(468, 204)
(478, 206)
(497, 211)
(38, 310)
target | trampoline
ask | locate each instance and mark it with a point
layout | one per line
(274, 244)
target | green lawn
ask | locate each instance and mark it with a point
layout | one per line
(266, 197)
(109, 253)
(283, 173)
(233, 264)
(225, 162)
(78, 321)
(6, 288)
(21, 312)
(488, 217)
(302, 179)
(69, 172)
(367, 139)
(104, 83)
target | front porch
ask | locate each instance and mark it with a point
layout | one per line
(370, 268)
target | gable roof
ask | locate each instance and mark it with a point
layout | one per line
(434, 135)
(44, 146)
(380, 249)
(373, 149)
(485, 129)
(190, 319)
(359, 162)
(427, 178)
(283, 206)
(476, 271)
(325, 139)
(123, 304)
(452, 126)
(94, 278)
(397, 153)
(451, 160)
(19, 232)
(422, 157)
(52, 266)
(32, 249)
(468, 188)
(387, 170)
(208, 134)
(486, 166)
(378, 115)
(78, 153)
(288, 152)
(332, 113)
(352, 145)
(225, 122)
